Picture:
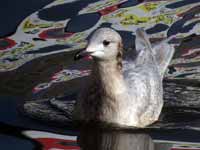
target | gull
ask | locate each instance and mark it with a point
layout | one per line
(126, 91)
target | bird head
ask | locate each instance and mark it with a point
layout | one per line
(104, 44)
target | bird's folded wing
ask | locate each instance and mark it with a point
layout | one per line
(142, 41)
(163, 53)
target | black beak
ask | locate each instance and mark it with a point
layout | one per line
(81, 54)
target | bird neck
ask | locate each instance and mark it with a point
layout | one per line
(108, 76)
(114, 65)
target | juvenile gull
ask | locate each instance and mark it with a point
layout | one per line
(125, 92)
(128, 92)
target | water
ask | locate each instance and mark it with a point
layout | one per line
(88, 138)
(18, 131)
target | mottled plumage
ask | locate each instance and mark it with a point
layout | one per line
(128, 95)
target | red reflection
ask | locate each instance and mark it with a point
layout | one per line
(108, 10)
(6, 43)
(50, 143)
(56, 33)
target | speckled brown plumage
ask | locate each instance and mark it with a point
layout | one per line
(132, 96)
(119, 56)
(99, 94)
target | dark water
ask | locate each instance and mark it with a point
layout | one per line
(12, 12)
(16, 86)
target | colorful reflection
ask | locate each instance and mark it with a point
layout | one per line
(51, 26)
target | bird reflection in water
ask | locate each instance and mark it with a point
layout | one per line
(97, 139)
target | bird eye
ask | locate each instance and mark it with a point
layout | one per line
(106, 43)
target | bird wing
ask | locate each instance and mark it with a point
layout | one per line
(160, 54)
(163, 53)
(142, 55)
(139, 69)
